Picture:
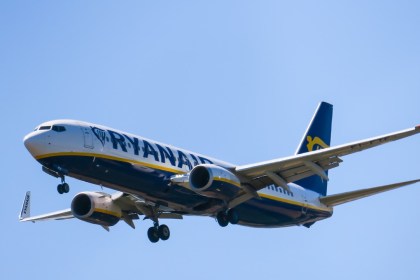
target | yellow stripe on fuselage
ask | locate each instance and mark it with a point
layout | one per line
(293, 202)
(142, 163)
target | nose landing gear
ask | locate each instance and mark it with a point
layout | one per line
(58, 172)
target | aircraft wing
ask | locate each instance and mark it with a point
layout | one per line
(25, 213)
(284, 170)
(131, 206)
(58, 215)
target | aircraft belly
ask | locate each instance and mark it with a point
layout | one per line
(126, 177)
(271, 213)
(155, 184)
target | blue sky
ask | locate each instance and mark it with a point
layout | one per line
(235, 80)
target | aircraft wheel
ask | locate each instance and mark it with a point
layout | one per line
(60, 189)
(232, 216)
(163, 232)
(153, 234)
(222, 219)
(66, 187)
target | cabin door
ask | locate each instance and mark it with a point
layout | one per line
(87, 138)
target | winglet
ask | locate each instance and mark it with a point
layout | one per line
(26, 207)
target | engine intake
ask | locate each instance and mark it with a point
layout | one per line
(214, 181)
(200, 178)
(96, 208)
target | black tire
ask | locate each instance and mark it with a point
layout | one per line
(153, 234)
(233, 217)
(60, 189)
(66, 187)
(164, 232)
(222, 219)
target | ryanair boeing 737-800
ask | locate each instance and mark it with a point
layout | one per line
(159, 181)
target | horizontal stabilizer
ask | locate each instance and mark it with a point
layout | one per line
(337, 199)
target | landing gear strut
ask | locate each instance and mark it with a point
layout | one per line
(63, 187)
(58, 172)
(158, 232)
(226, 217)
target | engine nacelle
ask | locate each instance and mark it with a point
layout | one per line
(96, 208)
(214, 181)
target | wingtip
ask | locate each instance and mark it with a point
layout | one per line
(406, 183)
(25, 212)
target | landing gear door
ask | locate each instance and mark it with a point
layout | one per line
(87, 138)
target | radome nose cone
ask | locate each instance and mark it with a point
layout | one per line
(32, 143)
(27, 141)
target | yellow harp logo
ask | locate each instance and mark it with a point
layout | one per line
(316, 143)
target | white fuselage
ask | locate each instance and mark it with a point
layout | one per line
(141, 166)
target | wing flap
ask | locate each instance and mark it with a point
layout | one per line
(337, 199)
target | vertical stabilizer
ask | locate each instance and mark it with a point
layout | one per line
(317, 136)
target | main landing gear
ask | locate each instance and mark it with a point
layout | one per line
(226, 217)
(63, 187)
(158, 232)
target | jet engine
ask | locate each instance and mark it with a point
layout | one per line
(214, 181)
(96, 208)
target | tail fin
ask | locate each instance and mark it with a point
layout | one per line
(317, 136)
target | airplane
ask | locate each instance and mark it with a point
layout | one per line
(158, 181)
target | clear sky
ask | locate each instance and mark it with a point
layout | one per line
(235, 80)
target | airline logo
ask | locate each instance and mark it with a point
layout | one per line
(146, 149)
(25, 207)
(100, 134)
(315, 143)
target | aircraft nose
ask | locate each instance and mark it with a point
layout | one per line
(34, 142)
(30, 142)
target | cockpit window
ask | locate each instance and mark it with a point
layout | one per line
(46, 127)
(58, 128)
